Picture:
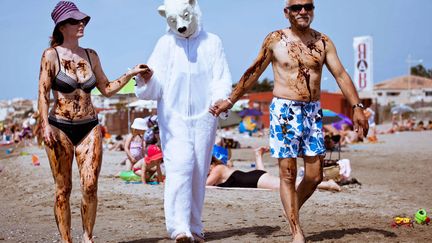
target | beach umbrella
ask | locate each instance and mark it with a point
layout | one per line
(250, 112)
(345, 120)
(401, 109)
(330, 117)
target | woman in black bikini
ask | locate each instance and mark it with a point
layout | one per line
(221, 175)
(71, 127)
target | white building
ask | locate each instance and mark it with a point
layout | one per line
(403, 90)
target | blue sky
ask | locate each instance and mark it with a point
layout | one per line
(124, 32)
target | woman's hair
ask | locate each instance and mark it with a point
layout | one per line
(215, 161)
(57, 37)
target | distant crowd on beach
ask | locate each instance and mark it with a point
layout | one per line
(22, 133)
(409, 124)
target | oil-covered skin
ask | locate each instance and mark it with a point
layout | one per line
(297, 65)
(297, 55)
(74, 106)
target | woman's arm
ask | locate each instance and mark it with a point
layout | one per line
(214, 176)
(106, 87)
(46, 75)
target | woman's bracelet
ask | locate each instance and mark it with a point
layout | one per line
(229, 101)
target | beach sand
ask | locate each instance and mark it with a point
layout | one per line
(395, 173)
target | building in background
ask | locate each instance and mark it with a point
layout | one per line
(404, 90)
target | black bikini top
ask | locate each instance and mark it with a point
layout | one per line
(65, 84)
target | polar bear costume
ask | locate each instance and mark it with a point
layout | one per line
(190, 74)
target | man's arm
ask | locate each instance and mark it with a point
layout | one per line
(347, 87)
(249, 78)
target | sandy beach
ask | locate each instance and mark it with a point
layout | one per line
(395, 173)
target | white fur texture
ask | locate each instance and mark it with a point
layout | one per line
(182, 16)
(190, 74)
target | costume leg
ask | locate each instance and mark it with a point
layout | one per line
(60, 157)
(312, 177)
(288, 174)
(178, 159)
(89, 159)
(204, 139)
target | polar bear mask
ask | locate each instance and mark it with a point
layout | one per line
(182, 16)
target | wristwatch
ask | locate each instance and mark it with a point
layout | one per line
(359, 105)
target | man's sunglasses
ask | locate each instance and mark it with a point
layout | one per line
(299, 7)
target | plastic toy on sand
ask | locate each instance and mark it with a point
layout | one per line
(421, 217)
(399, 221)
(35, 160)
(129, 176)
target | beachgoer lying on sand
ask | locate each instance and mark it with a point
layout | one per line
(118, 144)
(150, 165)
(221, 175)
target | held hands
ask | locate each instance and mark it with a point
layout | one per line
(143, 71)
(361, 125)
(220, 106)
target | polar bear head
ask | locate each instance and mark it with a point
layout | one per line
(183, 16)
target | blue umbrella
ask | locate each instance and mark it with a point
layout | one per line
(330, 116)
(250, 112)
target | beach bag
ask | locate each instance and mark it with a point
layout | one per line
(332, 173)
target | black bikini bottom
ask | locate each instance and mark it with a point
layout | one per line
(75, 130)
(243, 179)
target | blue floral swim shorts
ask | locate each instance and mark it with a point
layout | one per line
(295, 129)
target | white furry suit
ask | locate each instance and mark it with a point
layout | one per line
(190, 74)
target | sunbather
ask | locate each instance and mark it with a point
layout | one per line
(223, 176)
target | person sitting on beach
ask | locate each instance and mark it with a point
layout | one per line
(118, 144)
(150, 166)
(151, 135)
(134, 143)
(370, 115)
(429, 126)
(348, 135)
(395, 127)
(220, 175)
(420, 126)
(410, 125)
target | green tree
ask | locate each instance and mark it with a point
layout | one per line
(421, 71)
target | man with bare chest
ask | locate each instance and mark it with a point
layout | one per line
(297, 55)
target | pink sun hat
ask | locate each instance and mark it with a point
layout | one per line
(67, 10)
(153, 153)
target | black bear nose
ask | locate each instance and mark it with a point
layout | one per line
(182, 29)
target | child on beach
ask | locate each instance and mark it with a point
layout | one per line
(135, 144)
(150, 166)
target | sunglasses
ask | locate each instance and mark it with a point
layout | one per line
(75, 21)
(299, 7)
